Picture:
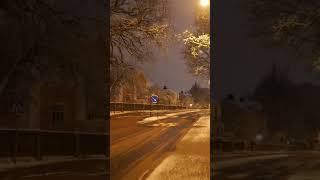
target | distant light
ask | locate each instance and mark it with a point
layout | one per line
(191, 105)
(259, 137)
(204, 3)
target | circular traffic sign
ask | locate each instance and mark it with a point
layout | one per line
(154, 99)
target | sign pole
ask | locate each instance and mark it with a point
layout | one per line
(153, 100)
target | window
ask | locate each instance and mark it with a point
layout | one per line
(57, 116)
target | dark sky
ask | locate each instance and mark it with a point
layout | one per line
(241, 62)
(169, 68)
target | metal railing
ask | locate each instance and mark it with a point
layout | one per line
(119, 106)
(39, 143)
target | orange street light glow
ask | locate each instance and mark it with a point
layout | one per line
(204, 3)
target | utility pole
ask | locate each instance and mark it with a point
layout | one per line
(150, 104)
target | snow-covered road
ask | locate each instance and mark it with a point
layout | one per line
(191, 158)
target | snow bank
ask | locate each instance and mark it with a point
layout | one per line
(113, 113)
(171, 115)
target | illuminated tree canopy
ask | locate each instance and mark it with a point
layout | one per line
(197, 44)
(197, 53)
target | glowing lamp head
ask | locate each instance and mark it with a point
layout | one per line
(204, 3)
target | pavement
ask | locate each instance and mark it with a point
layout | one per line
(166, 116)
(223, 156)
(139, 149)
(6, 164)
(93, 169)
(171, 148)
(285, 166)
(191, 158)
(114, 113)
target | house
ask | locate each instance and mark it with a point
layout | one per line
(245, 122)
(59, 99)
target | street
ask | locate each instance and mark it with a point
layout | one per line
(139, 144)
(280, 166)
(173, 145)
(138, 147)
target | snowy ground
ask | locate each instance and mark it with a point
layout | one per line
(312, 171)
(137, 149)
(113, 113)
(244, 160)
(171, 115)
(191, 158)
(27, 162)
(291, 165)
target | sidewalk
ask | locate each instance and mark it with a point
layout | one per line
(165, 116)
(222, 156)
(191, 159)
(239, 161)
(28, 162)
(114, 113)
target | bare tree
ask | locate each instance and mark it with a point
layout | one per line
(50, 39)
(128, 81)
(30, 24)
(136, 27)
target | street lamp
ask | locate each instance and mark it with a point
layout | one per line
(204, 3)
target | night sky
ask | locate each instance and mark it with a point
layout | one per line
(169, 68)
(240, 62)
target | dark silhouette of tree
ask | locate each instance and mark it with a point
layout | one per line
(293, 23)
(35, 29)
(283, 101)
(51, 41)
(200, 95)
(274, 85)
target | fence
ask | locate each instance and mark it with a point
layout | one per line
(38, 143)
(115, 106)
(228, 146)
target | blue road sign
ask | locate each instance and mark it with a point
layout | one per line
(154, 99)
